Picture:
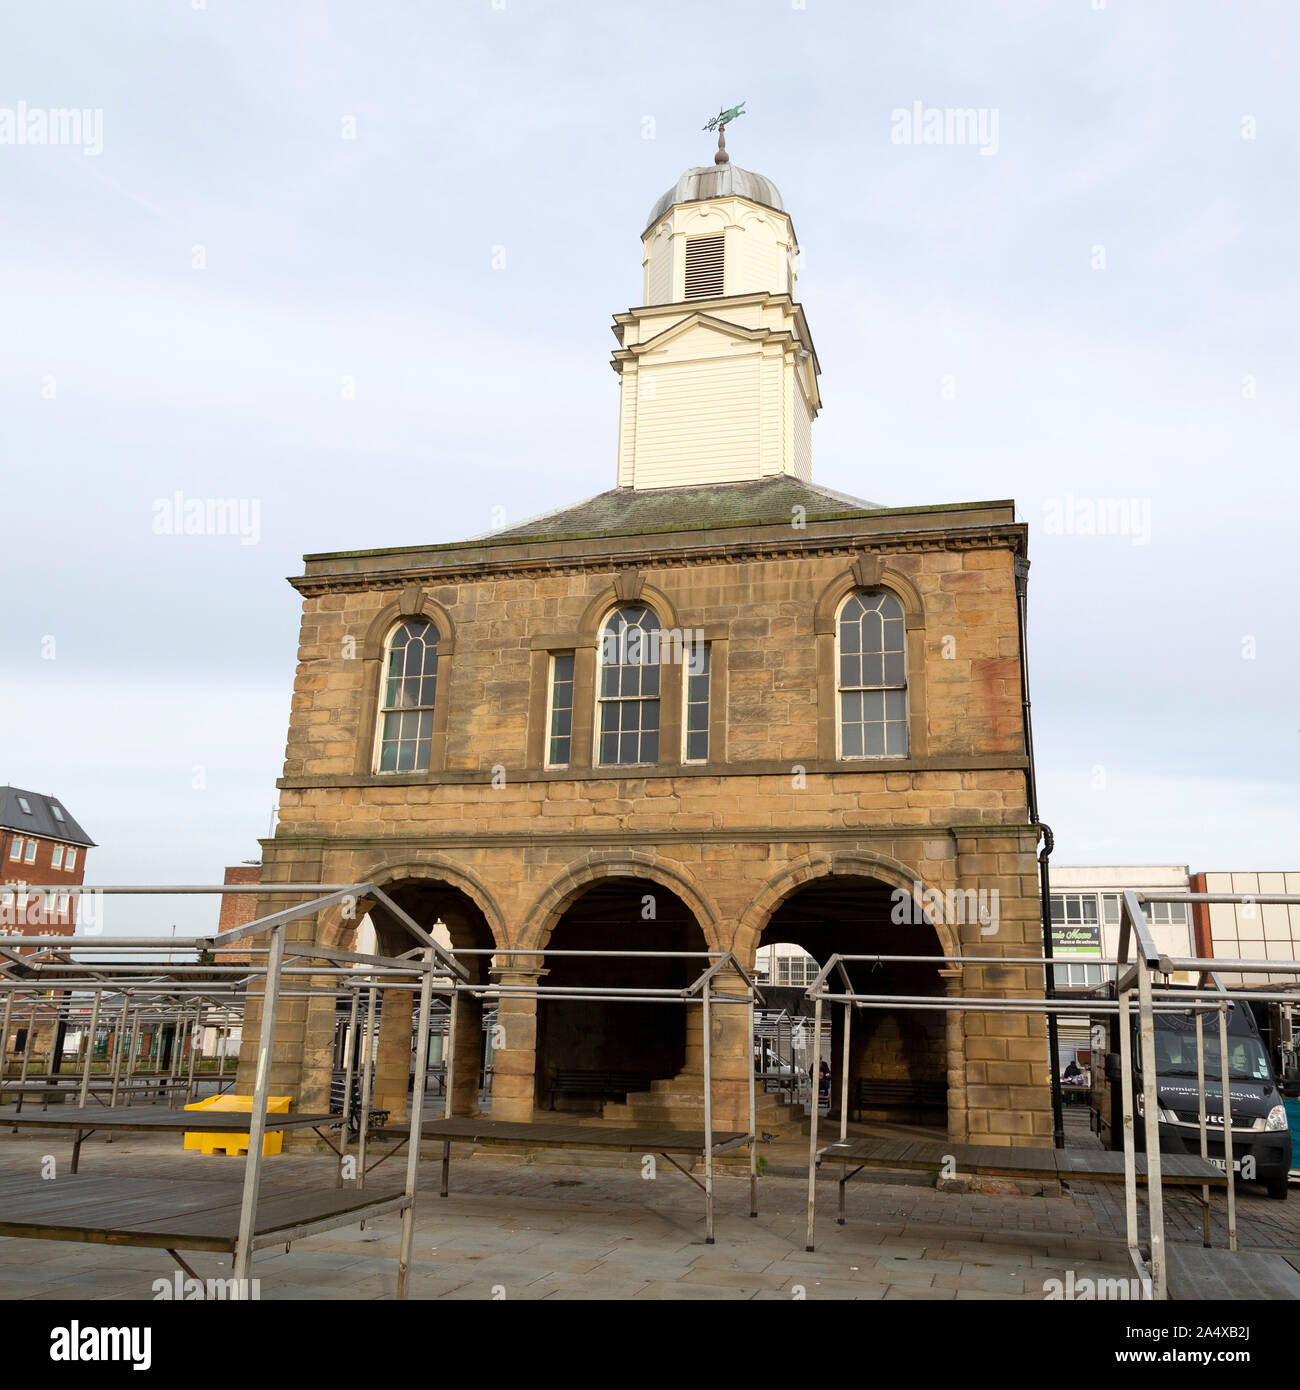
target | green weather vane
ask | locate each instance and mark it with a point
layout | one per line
(720, 123)
(724, 118)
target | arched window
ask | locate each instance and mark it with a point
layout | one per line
(872, 674)
(406, 697)
(629, 687)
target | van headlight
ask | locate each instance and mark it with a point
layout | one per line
(1276, 1118)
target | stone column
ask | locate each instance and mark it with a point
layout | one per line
(1008, 1090)
(301, 1024)
(958, 1123)
(304, 1027)
(393, 1053)
(515, 1059)
(730, 1052)
(467, 1065)
(317, 1057)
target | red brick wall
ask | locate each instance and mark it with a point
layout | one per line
(238, 909)
(42, 919)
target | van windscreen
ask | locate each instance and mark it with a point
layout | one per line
(1176, 1055)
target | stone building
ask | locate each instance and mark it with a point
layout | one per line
(715, 707)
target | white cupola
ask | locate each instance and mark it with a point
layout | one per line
(717, 367)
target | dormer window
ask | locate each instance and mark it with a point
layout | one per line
(704, 266)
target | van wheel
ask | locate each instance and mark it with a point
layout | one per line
(1278, 1189)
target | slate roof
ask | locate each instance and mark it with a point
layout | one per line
(629, 510)
(41, 821)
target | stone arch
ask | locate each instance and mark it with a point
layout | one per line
(595, 905)
(411, 603)
(430, 869)
(843, 903)
(627, 588)
(556, 898)
(428, 886)
(860, 863)
(867, 572)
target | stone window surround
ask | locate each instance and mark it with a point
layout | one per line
(413, 602)
(548, 736)
(629, 587)
(869, 572)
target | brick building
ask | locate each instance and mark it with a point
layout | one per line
(42, 850)
(716, 707)
(41, 847)
(237, 910)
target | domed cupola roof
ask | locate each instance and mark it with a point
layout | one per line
(718, 181)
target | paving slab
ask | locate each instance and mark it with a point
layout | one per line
(589, 1292)
(683, 1292)
(734, 1278)
(572, 1232)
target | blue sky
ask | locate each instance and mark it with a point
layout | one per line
(358, 264)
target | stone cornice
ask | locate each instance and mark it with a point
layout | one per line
(813, 767)
(557, 555)
(621, 839)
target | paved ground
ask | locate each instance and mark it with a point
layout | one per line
(517, 1229)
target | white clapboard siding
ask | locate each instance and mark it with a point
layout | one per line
(755, 260)
(659, 270)
(699, 422)
(801, 430)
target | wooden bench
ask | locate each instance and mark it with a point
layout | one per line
(879, 1093)
(604, 1085)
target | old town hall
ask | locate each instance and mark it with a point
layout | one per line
(765, 709)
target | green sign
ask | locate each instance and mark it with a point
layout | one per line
(1076, 939)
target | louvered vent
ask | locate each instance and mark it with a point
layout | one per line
(704, 267)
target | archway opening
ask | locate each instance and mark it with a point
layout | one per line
(899, 1056)
(429, 901)
(592, 1052)
(464, 929)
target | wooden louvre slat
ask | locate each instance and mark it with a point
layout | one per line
(704, 268)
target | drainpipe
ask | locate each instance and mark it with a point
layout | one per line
(1045, 854)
